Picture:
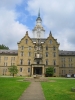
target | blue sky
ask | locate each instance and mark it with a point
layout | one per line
(19, 16)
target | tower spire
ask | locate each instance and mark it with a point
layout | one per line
(39, 13)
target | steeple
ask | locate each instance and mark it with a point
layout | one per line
(39, 18)
(39, 13)
(38, 31)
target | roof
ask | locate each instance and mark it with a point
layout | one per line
(41, 39)
(10, 52)
(15, 52)
(66, 53)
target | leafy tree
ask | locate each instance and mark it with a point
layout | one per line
(13, 70)
(49, 71)
(2, 46)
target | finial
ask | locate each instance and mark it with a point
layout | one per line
(26, 32)
(39, 13)
(50, 33)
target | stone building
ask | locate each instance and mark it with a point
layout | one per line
(36, 54)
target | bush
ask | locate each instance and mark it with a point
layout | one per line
(49, 71)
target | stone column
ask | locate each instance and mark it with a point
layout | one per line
(43, 70)
(32, 70)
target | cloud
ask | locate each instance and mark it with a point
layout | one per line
(11, 31)
(59, 17)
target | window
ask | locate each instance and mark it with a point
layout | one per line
(50, 41)
(38, 62)
(5, 63)
(28, 69)
(46, 54)
(26, 41)
(28, 61)
(22, 53)
(21, 61)
(5, 58)
(46, 61)
(22, 47)
(46, 48)
(54, 54)
(38, 47)
(54, 62)
(20, 69)
(54, 48)
(63, 59)
(12, 58)
(29, 48)
(70, 59)
(29, 54)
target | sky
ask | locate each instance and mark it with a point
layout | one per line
(19, 16)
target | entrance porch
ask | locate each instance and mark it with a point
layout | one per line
(37, 70)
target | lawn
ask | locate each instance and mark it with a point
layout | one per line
(59, 89)
(11, 89)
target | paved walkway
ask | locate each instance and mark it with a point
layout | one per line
(33, 92)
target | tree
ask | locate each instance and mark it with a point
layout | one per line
(2, 46)
(49, 71)
(13, 70)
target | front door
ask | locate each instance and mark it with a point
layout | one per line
(38, 70)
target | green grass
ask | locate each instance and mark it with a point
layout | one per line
(11, 89)
(59, 90)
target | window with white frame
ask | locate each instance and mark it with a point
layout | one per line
(29, 54)
(21, 61)
(46, 61)
(22, 47)
(46, 54)
(22, 53)
(20, 69)
(29, 61)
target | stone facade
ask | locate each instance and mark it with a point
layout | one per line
(34, 55)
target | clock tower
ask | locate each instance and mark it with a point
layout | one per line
(38, 31)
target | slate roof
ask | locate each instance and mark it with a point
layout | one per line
(66, 53)
(10, 52)
(41, 39)
(15, 52)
